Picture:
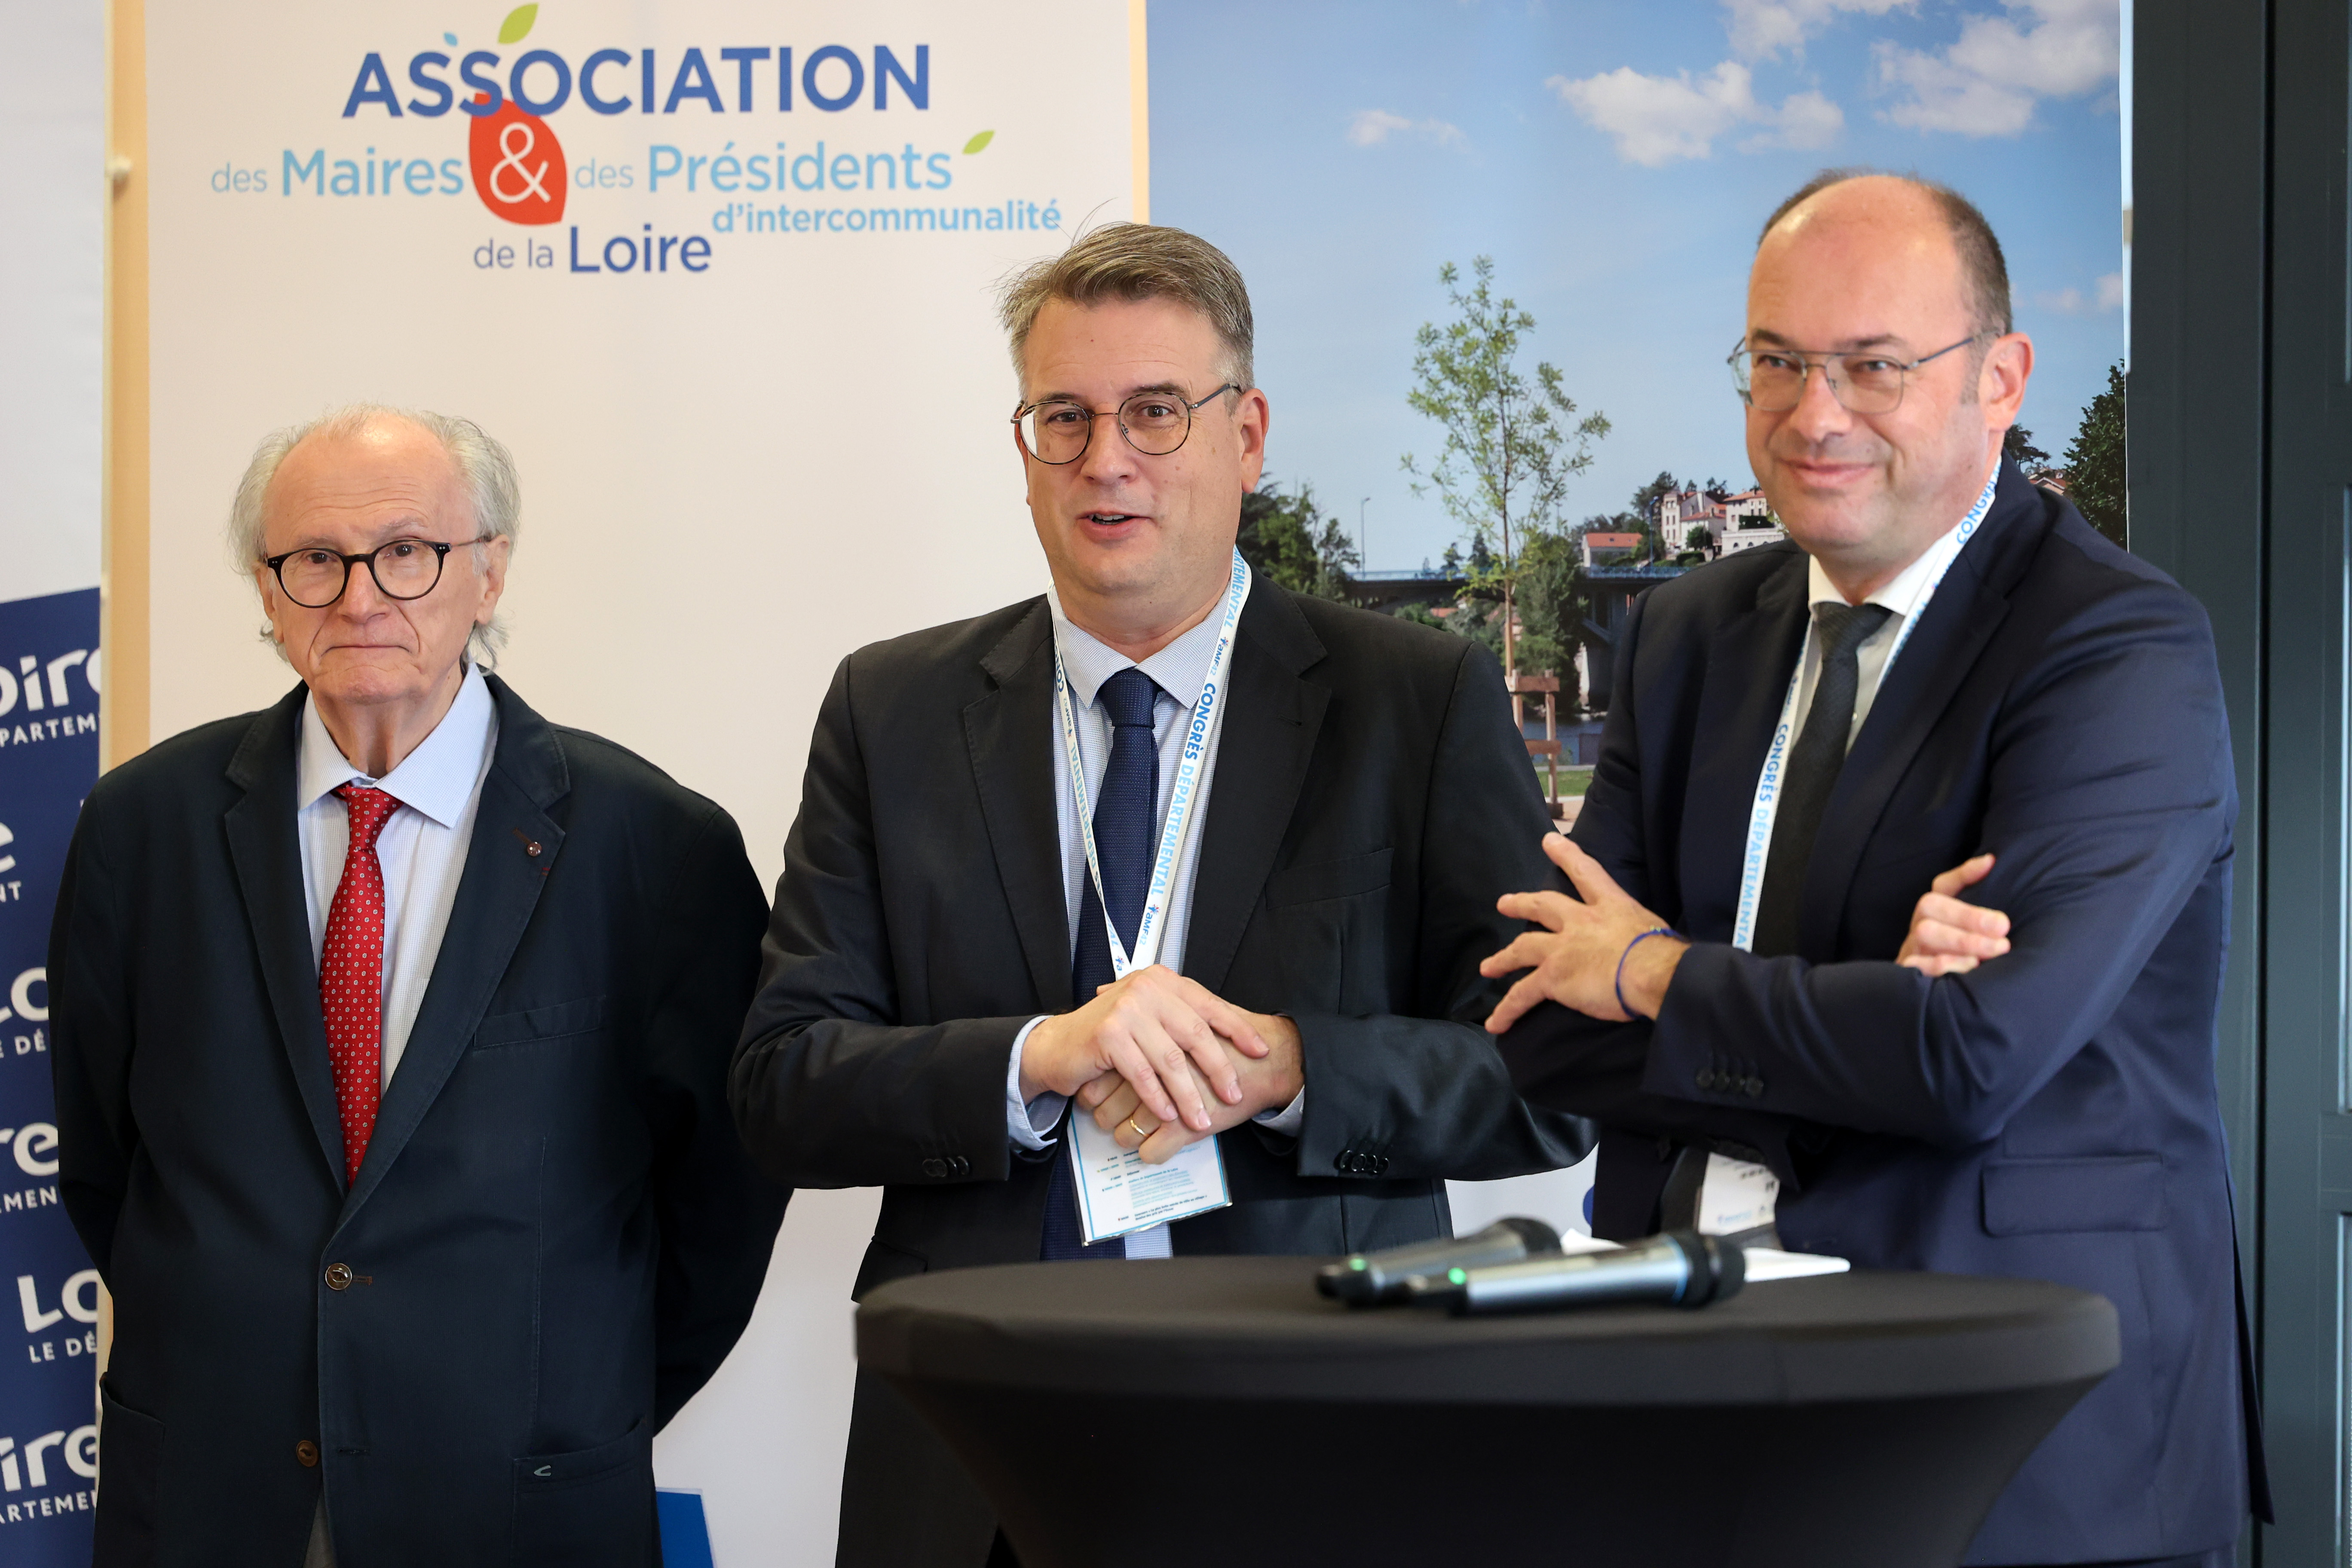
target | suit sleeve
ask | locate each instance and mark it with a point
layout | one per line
(1565, 1059)
(829, 1089)
(2109, 801)
(719, 1215)
(1428, 1094)
(90, 1041)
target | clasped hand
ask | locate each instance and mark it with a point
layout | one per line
(1162, 1061)
(1584, 957)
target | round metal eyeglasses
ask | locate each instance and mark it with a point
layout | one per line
(403, 569)
(1772, 380)
(1056, 430)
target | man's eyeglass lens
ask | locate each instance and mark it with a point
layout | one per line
(403, 569)
(1154, 422)
(1775, 382)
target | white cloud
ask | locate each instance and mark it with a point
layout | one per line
(2106, 294)
(1655, 120)
(1988, 82)
(1763, 29)
(1805, 121)
(1372, 126)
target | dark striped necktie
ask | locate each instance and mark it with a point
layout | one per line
(1813, 771)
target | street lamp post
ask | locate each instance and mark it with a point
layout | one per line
(1363, 540)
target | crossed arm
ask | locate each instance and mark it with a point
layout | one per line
(1605, 957)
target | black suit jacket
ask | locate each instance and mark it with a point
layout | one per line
(1372, 800)
(555, 1237)
(2052, 1114)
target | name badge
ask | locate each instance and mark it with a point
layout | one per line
(1118, 1193)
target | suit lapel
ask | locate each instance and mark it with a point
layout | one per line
(264, 846)
(1263, 752)
(496, 892)
(1958, 621)
(1748, 668)
(1008, 735)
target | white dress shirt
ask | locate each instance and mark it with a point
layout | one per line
(1906, 596)
(1180, 671)
(422, 848)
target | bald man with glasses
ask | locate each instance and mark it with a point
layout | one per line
(1903, 878)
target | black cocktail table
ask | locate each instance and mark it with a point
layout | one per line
(1216, 1412)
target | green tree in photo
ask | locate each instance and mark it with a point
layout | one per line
(1288, 539)
(2095, 462)
(1511, 444)
(1551, 601)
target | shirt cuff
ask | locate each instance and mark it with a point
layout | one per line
(1026, 1124)
(1289, 1119)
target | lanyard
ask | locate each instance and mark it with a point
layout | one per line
(1767, 784)
(1153, 926)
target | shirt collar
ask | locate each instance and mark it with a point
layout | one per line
(1179, 669)
(1902, 593)
(437, 778)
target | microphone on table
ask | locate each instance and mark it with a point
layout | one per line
(1365, 1278)
(1681, 1268)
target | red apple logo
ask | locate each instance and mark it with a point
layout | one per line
(518, 165)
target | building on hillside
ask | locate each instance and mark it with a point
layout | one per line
(1679, 511)
(1733, 522)
(1748, 523)
(2057, 481)
(1601, 549)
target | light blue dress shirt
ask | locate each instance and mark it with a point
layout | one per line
(1180, 671)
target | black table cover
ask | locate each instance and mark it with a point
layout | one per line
(1216, 1411)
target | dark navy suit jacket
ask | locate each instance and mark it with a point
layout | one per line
(555, 1237)
(2053, 1114)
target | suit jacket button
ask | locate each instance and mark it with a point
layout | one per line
(1380, 1164)
(936, 1169)
(1754, 1086)
(339, 1278)
(1704, 1079)
(1339, 1161)
(306, 1453)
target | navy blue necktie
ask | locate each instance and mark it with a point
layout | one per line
(1126, 817)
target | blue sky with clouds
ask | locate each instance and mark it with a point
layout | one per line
(1616, 161)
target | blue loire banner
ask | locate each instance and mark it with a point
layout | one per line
(49, 758)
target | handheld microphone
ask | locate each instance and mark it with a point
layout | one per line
(1681, 1268)
(1366, 1277)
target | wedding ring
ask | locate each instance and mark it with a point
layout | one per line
(1141, 1135)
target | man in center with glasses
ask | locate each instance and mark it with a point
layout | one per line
(1205, 863)
(1944, 683)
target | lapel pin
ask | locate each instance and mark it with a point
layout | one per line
(529, 846)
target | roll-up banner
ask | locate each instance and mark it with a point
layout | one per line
(721, 274)
(53, 192)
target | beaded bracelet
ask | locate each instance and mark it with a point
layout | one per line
(1653, 930)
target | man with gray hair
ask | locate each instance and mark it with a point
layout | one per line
(390, 1029)
(967, 960)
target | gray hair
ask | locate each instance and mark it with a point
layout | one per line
(1137, 261)
(483, 464)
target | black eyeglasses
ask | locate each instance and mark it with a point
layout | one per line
(1057, 429)
(1772, 381)
(403, 569)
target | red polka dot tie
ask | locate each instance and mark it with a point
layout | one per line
(351, 973)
